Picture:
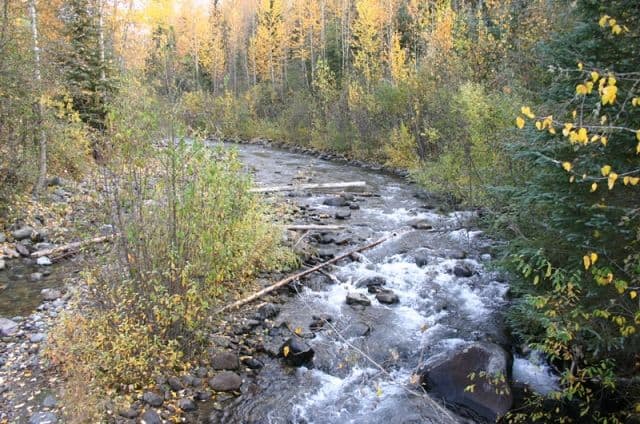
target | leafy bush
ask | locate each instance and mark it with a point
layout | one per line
(191, 236)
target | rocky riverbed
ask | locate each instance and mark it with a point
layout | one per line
(372, 339)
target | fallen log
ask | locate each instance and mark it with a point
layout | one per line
(71, 246)
(301, 274)
(312, 227)
(307, 187)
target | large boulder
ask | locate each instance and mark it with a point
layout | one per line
(473, 376)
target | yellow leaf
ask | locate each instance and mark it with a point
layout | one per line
(526, 111)
(552, 130)
(595, 76)
(379, 391)
(586, 261)
(625, 180)
(589, 87)
(609, 94)
(580, 65)
(612, 179)
(633, 294)
(604, 140)
(603, 20)
(635, 101)
(594, 187)
(298, 330)
(519, 122)
(638, 135)
(634, 180)
(594, 257)
(285, 351)
(572, 178)
(617, 29)
(611, 80)
(538, 125)
(605, 170)
(567, 166)
(581, 89)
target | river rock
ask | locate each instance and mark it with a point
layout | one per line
(296, 352)
(225, 361)
(43, 261)
(354, 206)
(50, 294)
(23, 233)
(3, 264)
(35, 276)
(153, 399)
(54, 181)
(462, 270)
(7, 327)
(342, 214)
(252, 363)
(128, 413)
(376, 281)
(448, 374)
(3, 238)
(50, 401)
(358, 299)
(37, 337)
(387, 297)
(22, 249)
(150, 417)
(421, 259)
(356, 329)
(421, 224)
(267, 311)
(186, 404)
(225, 381)
(43, 418)
(175, 383)
(338, 201)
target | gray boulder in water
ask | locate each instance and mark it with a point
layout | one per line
(472, 376)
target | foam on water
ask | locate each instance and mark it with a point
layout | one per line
(536, 374)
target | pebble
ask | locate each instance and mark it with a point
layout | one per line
(43, 261)
(37, 337)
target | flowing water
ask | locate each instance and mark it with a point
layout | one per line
(436, 311)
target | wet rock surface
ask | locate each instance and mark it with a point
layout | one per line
(483, 366)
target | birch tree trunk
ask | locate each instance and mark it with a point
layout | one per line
(37, 73)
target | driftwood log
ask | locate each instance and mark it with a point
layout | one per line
(301, 274)
(293, 187)
(71, 246)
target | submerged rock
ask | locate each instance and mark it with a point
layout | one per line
(342, 214)
(482, 366)
(358, 299)
(338, 201)
(462, 270)
(371, 282)
(296, 352)
(387, 296)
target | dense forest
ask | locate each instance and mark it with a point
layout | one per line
(525, 111)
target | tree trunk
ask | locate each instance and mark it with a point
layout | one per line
(42, 171)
